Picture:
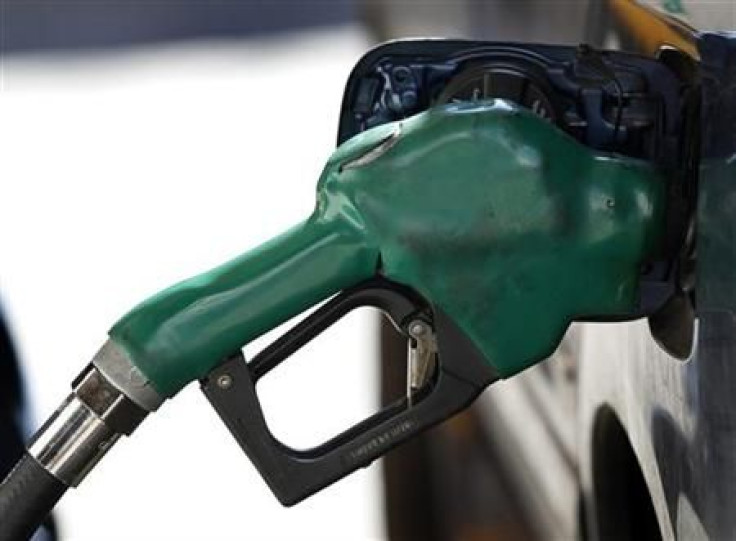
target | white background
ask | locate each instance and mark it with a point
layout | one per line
(125, 172)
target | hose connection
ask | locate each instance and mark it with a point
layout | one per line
(109, 398)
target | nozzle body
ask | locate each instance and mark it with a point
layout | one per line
(507, 224)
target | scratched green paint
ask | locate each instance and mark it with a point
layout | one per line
(510, 226)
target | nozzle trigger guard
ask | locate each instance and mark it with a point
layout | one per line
(461, 374)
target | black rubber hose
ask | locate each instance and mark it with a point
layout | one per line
(27, 496)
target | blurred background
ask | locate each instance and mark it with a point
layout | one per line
(146, 141)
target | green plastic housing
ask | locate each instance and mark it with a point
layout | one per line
(509, 225)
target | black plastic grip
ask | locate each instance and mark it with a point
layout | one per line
(27, 496)
(294, 474)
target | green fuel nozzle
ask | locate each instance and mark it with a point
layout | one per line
(495, 216)
(482, 230)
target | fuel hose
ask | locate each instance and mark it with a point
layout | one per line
(27, 496)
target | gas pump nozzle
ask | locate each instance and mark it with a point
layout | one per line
(480, 230)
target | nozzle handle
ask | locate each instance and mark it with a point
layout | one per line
(295, 474)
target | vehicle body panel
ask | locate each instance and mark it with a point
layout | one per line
(678, 415)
